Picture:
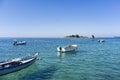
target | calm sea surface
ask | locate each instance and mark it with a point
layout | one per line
(91, 61)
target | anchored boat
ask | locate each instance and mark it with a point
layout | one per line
(101, 40)
(67, 48)
(19, 42)
(17, 64)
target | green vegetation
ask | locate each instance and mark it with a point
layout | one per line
(75, 36)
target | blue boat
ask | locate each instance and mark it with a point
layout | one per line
(17, 64)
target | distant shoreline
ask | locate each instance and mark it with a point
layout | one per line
(60, 37)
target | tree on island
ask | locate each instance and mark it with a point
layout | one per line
(76, 36)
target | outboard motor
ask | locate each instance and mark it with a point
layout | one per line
(60, 49)
(14, 42)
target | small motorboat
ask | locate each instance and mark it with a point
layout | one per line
(67, 48)
(101, 40)
(17, 64)
(19, 43)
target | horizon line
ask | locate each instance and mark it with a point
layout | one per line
(56, 37)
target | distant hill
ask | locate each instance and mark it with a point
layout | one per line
(75, 36)
(117, 37)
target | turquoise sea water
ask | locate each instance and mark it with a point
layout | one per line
(91, 61)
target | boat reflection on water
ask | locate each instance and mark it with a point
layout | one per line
(18, 74)
(62, 55)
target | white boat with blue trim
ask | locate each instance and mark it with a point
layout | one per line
(17, 64)
(67, 48)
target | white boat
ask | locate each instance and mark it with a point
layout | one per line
(17, 64)
(67, 48)
(101, 40)
(19, 42)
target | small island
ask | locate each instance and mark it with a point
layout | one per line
(75, 36)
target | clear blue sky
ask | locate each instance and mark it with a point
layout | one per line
(57, 18)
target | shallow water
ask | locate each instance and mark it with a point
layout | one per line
(91, 61)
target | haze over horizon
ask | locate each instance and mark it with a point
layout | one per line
(58, 18)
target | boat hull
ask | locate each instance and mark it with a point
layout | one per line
(16, 68)
(19, 43)
(66, 50)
